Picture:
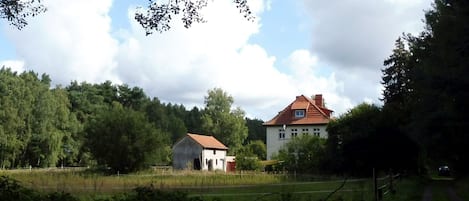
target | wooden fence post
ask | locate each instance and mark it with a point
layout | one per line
(375, 185)
(391, 187)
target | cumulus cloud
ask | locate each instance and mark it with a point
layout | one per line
(71, 41)
(15, 66)
(308, 79)
(74, 41)
(182, 64)
(361, 33)
(353, 37)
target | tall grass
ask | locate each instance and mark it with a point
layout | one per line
(221, 186)
(76, 181)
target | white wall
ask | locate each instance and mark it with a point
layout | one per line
(218, 159)
(274, 143)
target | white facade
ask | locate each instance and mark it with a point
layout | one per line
(199, 152)
(213, 159)
(277, 137)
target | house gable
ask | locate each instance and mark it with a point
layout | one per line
(302, 111)
(304, 116)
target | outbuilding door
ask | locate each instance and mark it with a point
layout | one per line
(196, 164)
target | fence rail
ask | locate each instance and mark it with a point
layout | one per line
(386, 187)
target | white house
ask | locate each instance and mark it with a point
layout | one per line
(304, 116)
(199, 152)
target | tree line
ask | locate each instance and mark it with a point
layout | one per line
(424, 122)
(106, 124)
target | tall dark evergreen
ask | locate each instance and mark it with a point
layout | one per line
(441, 80)
(397, 77)
(437, 107)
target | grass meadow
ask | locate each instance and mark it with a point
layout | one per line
(220, 186)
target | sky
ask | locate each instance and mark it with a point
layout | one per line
(298, 47)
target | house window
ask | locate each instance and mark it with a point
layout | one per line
(214, 152)
(299, 113)
(305, 131)
(281, 134)
(316, 132)
(294, 132)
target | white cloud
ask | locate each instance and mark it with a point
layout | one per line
(361, 33)
(306, 77)
(71, 41)
(15, 66)
(353, 37)
(182, 64)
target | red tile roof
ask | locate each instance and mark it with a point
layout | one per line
(298, 105)
(207, 141)
(315, 112)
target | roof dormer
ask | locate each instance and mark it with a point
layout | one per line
(300, 113)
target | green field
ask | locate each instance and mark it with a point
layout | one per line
(247, 186)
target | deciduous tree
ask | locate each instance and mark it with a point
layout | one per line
(303, 154)
(124, 140)
(226, 124)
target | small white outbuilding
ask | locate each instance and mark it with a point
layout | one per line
(199, 152)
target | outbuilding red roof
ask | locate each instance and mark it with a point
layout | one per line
(207, 141)
(314, 110)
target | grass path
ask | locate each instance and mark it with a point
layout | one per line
(440, 190)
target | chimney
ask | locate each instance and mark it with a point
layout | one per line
(318, 100)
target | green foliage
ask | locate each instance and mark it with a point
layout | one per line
(193, 120)
(256, 131)
(302, 154)
(219, 119)
(124, 140)
(248, 157)
(168, 118)
(36, 122)
(362, 139)
(432, 108)
(258, 148)
(397, 76)
(11, 190)
(41, 126)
